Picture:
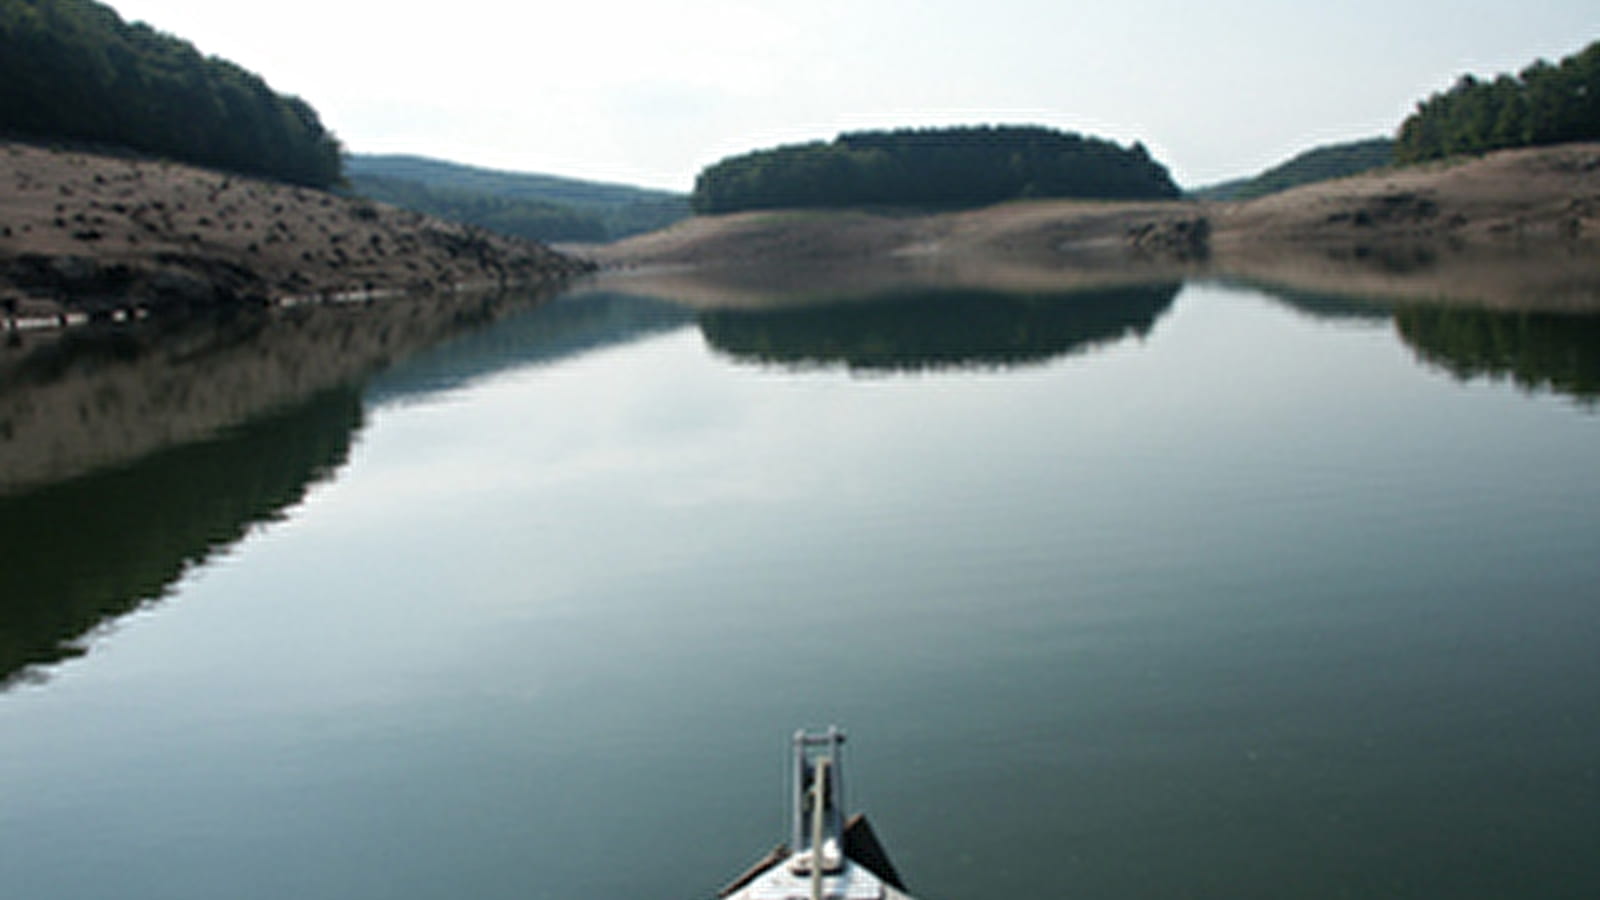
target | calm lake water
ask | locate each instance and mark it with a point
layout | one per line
(1165, 591)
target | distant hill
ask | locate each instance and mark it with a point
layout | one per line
(544, 207)
(73, 70)
(1318, 164)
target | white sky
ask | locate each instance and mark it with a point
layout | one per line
(649, 93)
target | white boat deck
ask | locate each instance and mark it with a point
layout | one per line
(853, 882)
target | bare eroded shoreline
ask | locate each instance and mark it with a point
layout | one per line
(1519, 227)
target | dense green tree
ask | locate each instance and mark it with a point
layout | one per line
(74, 70)
(1545, 104)
(935, 167)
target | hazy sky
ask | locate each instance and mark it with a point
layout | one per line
(651, 92)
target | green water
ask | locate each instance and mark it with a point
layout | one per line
(1167, 591)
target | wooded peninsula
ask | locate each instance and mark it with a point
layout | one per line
(932, 167)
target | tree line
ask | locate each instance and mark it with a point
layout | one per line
(74, 70)
(961, 166)
(1544, 104)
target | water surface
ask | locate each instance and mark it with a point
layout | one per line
(1152, 591)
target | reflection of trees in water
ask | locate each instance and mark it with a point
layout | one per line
(151, 412)
(82, 552)
(93, 397)
(1320, 305)
(1536, 350)
(938, 329)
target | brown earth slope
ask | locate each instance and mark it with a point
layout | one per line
(86, 234)
(1542, 194)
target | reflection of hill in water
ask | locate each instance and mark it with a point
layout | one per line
(176, 479)
(564, 327)
(935, 329)
(1330, 306)
(84, 551)
(85, 399)
(1536, 350)
(1515, 276)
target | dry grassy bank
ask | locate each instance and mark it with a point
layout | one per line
(89, 234)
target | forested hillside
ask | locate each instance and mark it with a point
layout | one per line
(533, 219)
(1317, 164)
(544, 207)
(1544, 104)
(936, 167)
(74, 70)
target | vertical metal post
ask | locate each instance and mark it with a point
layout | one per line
(797, 788)
(817, 777)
